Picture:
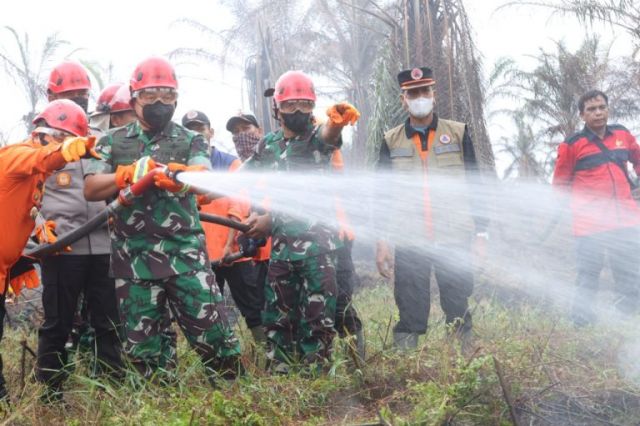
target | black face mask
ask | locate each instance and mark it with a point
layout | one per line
(82, 102)
(157, 115)
(297, 121)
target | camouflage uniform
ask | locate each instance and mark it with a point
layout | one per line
(158, 255)
(301, 283)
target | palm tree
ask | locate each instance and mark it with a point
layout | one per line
(386, 111)
(29, 68)
(624, 14)
(269, 37)
(102, 75)
(333, 39)
(347, 37)
(551, 91)
(499, 85)
(343, 41)
(522, 151)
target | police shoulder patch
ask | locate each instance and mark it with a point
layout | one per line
(63, 179)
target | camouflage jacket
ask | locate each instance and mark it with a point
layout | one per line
(159, 235)
(294, 238)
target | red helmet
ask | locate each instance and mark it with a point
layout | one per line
(153, 72)
(121, 100)
(294, 85)
(104, 100)
(63, 114)
(68, 75)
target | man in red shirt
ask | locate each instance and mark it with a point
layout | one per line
(592, 166)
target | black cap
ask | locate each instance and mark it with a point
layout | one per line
(194, 116)
(416, 77)
(247, 118)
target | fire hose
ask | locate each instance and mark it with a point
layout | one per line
(248, 246)
(125, 198)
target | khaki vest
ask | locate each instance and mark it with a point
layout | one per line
(444, 214)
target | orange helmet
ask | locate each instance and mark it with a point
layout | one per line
(104, 100)
(294, 85)
(121, 100)
(153, 72)
(63, 114)
(68, 75)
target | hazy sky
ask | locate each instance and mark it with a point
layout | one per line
(125, 32)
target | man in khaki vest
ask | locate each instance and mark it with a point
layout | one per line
(430, 164)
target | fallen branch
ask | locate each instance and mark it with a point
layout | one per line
(506, 392)
(386, 334)
(25, 349)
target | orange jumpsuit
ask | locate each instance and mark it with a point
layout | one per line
(23, 170)
(217, 235)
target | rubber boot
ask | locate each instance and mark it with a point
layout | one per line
(4, 394)
(259, 336)
(405, 341)
(465, 337)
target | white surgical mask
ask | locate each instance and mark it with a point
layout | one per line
(420, 107)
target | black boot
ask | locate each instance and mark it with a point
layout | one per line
(4, 394)
(227, 369)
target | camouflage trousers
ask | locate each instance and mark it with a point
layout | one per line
(195, 302)
(300, 310)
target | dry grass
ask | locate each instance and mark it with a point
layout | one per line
(556, 374)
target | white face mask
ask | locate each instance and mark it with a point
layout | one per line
(420, 107)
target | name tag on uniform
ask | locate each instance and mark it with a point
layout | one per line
(401, 152)
(443, 149)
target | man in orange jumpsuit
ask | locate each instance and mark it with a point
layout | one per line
(59, 138)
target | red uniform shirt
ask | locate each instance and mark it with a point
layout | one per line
(600, 192)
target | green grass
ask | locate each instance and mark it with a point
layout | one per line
(555, 373)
